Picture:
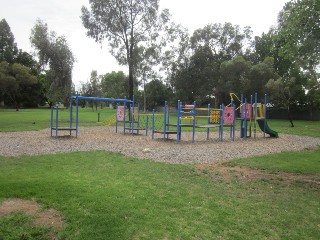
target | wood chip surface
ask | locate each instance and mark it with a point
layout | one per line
(141, 146)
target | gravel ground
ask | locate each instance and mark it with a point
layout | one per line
(104, 138)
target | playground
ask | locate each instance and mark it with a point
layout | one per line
(141, 146)
(229, 132)
(158, 189)
(128, 118)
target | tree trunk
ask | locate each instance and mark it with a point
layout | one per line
(290, 116)
(130, 81)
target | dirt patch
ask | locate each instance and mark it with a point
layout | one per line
(246, 173)
(42, 217)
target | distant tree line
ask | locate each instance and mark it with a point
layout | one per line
(166, 62)
(30, 81)
(217, 59)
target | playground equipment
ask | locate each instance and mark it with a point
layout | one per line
(54, 123)
(190, 116)
(251, 115)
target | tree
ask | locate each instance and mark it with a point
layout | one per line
(27, 60)
(287, 91)
(196, 80)
(156, 94)
(226, 42)
(299, 32)
(259, 75)
(127, 25)
(16, 83)
(94, 87)
(8, 48)
(114, 84)
(56, 58)
(234, 76)
(7, 81)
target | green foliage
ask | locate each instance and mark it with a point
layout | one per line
(92, 88)
(114, 84)
(18, 85)
(234, 76)
(225, 40)
(105, 195)
(54, 52)
(156, 94)
(204, 74)
(8, 48)
(299, 29)
(127, 26)
(195, 80)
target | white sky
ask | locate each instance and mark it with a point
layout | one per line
(63, 17)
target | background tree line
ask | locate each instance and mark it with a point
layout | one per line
(30, 81)
(166, 62)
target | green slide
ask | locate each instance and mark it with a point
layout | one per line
(268, 130)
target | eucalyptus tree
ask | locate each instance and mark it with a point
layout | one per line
(8, 48)
(235, 77)
(194, 80)
(56, 59)
(17, 83)
(299, 32)
(156, 93)
(226, 42)
(114, 84)
(127, 25)
(299, 37)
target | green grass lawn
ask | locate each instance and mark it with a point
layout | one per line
(303, 128)
(295, 162)
(37, 119)
(105, 195)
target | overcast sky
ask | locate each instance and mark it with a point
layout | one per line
(63, 17)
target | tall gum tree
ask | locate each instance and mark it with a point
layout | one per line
(56, 58)
(127, 25)
(8, 48)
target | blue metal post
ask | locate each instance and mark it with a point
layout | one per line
(153, 124)
(147, 123)
(234, 119)
(265, 115)
(51, 122)
(124, 117)
(245, 119)
(57, 119)
(251, 112)
(178, 122)
(70, 109)
(138, 118)
(221, 121)
(77, 115)
(131, 117)
(194, 121)
(132, 114)
(208, 121)
(117, 105)
(164, 120)
(255, 114)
